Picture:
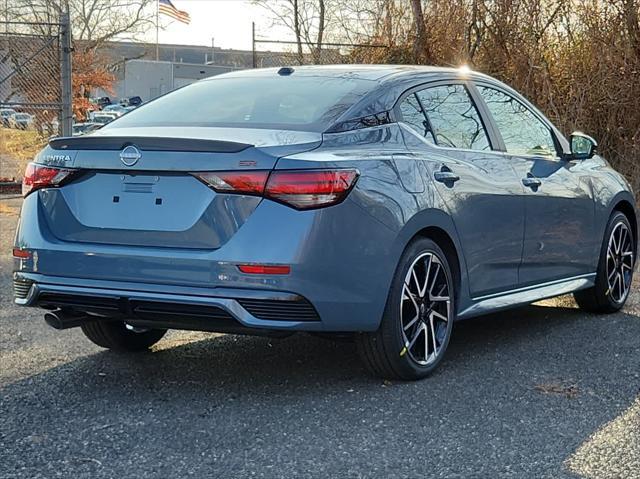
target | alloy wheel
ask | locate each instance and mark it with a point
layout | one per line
(425, 309)
(619, 262)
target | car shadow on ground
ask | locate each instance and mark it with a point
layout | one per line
(208, 400)
(544, 341)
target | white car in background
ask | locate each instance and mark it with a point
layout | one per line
(5, 114)
(103, 118)
(116, 109)
(21, 121)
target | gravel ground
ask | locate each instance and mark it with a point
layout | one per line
(542, 391)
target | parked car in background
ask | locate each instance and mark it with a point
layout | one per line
(103, 118)
(116, 109)
(5, 114)
(101, 101)
(86, 127)
(129, 108)
(400, 200)
(21, 121)
(131, 101)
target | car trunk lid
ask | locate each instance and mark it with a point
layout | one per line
(139, 190)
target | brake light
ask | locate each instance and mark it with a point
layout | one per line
(244, 182)
(311, 188)
(301, 189)
(38, 176)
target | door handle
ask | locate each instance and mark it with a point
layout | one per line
(446, 176)
(531, 182)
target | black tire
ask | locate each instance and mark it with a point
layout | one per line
(115, 335)
(599, 298)
(384, 351)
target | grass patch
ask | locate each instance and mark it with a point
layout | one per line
(17, 148)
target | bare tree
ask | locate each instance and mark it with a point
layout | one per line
(94, 22)
(308, 20)
(420, 42)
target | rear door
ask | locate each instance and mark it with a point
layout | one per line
(478, 184)
(560, 235)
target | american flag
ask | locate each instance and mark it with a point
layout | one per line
(166, 8)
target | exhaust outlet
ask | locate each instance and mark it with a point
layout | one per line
(64, 320)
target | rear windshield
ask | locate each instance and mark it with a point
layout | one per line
(305, 103)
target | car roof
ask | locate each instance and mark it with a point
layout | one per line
(361, 71)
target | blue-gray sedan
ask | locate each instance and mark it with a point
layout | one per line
(378, 202)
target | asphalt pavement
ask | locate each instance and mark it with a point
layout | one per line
(544, 391)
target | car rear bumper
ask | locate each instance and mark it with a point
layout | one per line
(218, 309)
(341, 261)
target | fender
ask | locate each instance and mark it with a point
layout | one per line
(627, 197)
(437, 218)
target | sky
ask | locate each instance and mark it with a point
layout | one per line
(227, 21)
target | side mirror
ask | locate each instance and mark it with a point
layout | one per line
(583, 146)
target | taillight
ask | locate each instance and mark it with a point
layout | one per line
(301, 189)
(311, 188)
(244, 182)
(38, 176)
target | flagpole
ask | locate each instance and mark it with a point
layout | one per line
(157, 29)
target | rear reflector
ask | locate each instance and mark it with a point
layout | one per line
(38, 176)
(301, 189)
(21, 253)
(264, 269)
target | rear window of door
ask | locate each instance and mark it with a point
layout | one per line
(414, 116)
(446, 116)
(452, 119)
(522, 131)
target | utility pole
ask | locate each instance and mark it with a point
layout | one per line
(213, 51)
(158, 30)
(253, 45)
(65, 75)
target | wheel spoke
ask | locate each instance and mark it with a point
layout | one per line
(423, 290)
(620, 287)
(412, 322)
(439, 297)
(416, 335)
(406, 294)
(433, 336)
(613, 246)
(426, 342)
(435, 277)
(414, 276)
(435, 314)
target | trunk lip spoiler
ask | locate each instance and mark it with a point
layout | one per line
(145, 143)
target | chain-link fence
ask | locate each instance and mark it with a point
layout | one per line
(35, 73)
(278, 53)
(35, 90)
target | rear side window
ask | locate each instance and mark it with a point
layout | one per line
(453, 117)
(308, 103)
(413, 115)
(522, 132)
